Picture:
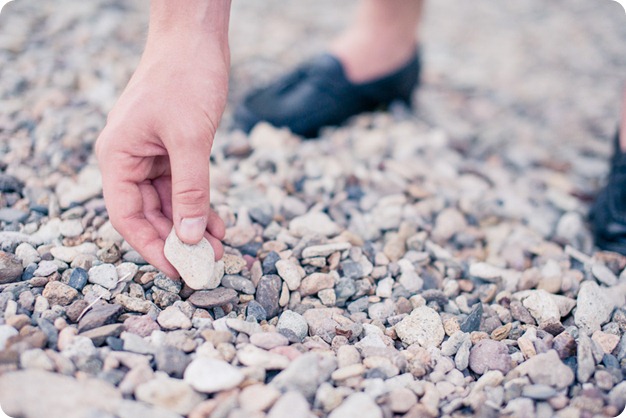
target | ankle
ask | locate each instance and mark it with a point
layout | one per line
(367, 56)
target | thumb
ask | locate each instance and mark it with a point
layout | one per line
(190, 189)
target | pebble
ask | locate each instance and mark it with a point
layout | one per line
(172, 318)
(169, 393)
(357, 405)
(593, 307)
(239, 283)
(252, 356)
(195, 263)
(290, 404)
(172, 361)
(490, 355)
(104, 275)
(268, 294)
(99, 315)
(325, 250)
(63, 394)
(10, 268)
(213, 298)
(315, 282)
(268, 340)
(59, 293)
(78, 278)
(313, 223)
(210, 375)
(6, 332)
(258, 397)
(472, 322)
(547, 369)
(289, 272)
(292, 323)
(423, 326)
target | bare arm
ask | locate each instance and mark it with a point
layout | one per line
(154, 151)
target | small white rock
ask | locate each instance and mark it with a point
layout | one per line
(210, 375)
(195, 263)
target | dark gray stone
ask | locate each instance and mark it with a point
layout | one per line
(472, 322)
(255, 310)
(78, 278)
(269, 263)
(268, 293)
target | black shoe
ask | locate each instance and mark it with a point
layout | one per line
(608, 212)
(319, 94)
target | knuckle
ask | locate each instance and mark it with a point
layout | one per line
(191, 195)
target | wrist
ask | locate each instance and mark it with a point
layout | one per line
(180, 20)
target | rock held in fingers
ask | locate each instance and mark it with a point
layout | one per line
(195, 263)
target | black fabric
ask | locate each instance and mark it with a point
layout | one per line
(318, 94)
(608, 212)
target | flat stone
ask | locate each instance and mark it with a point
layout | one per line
(213, 298)
(423, 326)
(195, 263)
(99, 315)
(210, 375)
(99, 335)
(45, 268)
(325, 250)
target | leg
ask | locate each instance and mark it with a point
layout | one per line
(373, 63)
(608, 213)
(382, 38)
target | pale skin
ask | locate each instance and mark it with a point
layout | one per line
(154, 150)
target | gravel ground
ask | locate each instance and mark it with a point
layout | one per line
(413, 263)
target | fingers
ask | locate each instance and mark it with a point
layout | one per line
(189, 162)
(126, 211)
(163, 186)
(216, 226)
(218, 248)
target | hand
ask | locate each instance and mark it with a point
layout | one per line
(154, 151)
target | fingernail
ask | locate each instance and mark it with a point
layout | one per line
(191, 230)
